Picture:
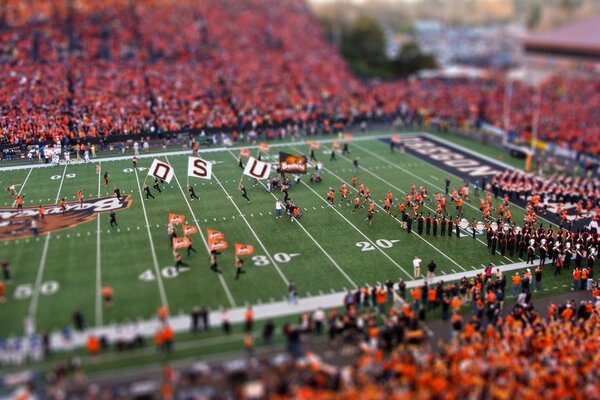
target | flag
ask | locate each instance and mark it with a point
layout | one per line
(395, 139)
(314, 145)
(264, 147)
(199, 168)
(214, 235)
(347, 137)
(181, 243)
(257, 169)
(189, 230)
(243, 249)
(176, 218)
(335, 144)
(161, 170)
(292, 163)
(245, 152)
(217, 244)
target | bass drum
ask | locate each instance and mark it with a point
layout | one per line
(464, 224)
(494, 226)
(506, 228)
(480, 226)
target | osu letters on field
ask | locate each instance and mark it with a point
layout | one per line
(257, 169)
(199, 168)
(161, 170)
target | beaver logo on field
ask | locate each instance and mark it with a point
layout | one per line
(17, 224)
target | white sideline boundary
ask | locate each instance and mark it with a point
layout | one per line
(304, 141)
(181, 323)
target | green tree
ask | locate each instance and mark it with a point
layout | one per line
(534, 15)
(364, 40)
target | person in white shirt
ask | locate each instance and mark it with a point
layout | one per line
(278, 207)
(417, 267)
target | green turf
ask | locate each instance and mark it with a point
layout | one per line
(126, 254)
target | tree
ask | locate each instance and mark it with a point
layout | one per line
(364, 40)
(534, 15)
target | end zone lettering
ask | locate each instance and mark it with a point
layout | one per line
(454, 159)
(17, 225)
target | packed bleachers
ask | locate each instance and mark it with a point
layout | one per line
(84, 68)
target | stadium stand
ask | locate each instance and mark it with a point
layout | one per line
(90, 69)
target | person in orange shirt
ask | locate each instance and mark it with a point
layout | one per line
(92, 345)
(331, 197)
(356, 204)
(63, 206)
(248, 319)
(576, 278)
(41, 213)
(162, 313)
(459, 206)
(80, 197)
(416, 296)
(107, 295)
(516, 281)
(387, 206)
(167, 337)
(431, 299)
(19, 201)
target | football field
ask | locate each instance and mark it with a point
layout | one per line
(330, 249)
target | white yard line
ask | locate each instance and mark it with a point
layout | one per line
(253, 232)
(359, 231)
(38, 280)
(335, 264)
(201, 232)
(381, 208)
(161, 289)
(22, 186)
(98, 263)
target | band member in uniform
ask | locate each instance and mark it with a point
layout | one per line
(190, 248)
(157, 185)
(356, 203)
(345, 149)
(494, 244)
(443, 226)
(147, 190)
(434, 225)
(370, 214)
(457, 226)
(80, 197)
(113, 218)
(331, 196)
(312, 155)
(240, 163)
(106, 179)
(192, 193)
(473, 227)
(244, 193)
(408, 224)
(428, 224)
(239, 267)
(449, 222)
(420, 224)
(332, 156)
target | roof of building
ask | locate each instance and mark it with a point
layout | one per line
(579, 37)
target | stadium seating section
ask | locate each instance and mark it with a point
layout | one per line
(87, 68)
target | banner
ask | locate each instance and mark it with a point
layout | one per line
(189, 230)
(243, 249)
(176, 219)
(181, 243)
(347, 137)
(292, 163)
(314, 145)
(244, 152)
(199, 168)
(335, 144)
(161, 170)
(264, 147)
(396, 139)
(257, 169)
(217, 244)
(214, 235)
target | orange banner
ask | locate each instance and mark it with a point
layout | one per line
(347, 137)
(243, 249)
(314, 145)
(395, 139)
(217, 244)
(189, 230)
(245, 152)
(176, 218)
(335, 144)
(264, 147)
(181, 243)
(214, 234)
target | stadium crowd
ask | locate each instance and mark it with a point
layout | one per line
(85, 69)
